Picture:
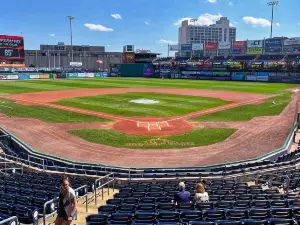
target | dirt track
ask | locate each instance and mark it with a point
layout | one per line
(253, 138)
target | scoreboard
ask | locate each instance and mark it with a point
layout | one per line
(11, 48)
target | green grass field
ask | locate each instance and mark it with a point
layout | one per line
(194, 138)
(248, 112)
(11, 87)
(50, 115)
(118, 104)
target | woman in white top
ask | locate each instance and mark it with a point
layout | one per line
(200, 194)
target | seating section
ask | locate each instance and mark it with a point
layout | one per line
(24, 195)
(230, 203)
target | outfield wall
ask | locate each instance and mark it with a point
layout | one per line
(26, 76)
(279, 77)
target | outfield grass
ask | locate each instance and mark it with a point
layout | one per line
(50, 115)
(194, 138)
(11, 87)
(118, 104)
(248, 112)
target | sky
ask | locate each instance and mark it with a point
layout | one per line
(146, 24)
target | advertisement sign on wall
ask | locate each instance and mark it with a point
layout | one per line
(239, 44)
(197, 47)
(12, 77)
(186, 47)
(211, 46)
(291, 50)
(255, 44)
(254, 51)
(173, 48)
(238, 51)
(128, 57)
(224, 45)
(273, 42)
(273, 50)
(23, 76)
(292, 41)
(148, 72)
(44, 76)
(34, 76)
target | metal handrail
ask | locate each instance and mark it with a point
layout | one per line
(102, 187)
(101, 178)
(44, 210)
(85, 195)
(10, 219)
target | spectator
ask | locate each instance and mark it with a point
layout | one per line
(200, 194)
(182, 195)
(67, 204)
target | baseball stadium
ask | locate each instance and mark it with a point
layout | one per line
(209, 136)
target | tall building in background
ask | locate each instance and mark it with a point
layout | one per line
(219, 32)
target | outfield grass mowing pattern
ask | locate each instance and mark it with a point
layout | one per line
(194, 138)
(46, 114)
(11, 87)
(118, 104)
(248, 112)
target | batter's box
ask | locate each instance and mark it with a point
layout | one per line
(161, 125)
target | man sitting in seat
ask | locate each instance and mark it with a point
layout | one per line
(182, 195)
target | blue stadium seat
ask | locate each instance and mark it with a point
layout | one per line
(145, 217)
(107, 209)
(212, 215)
(168, 216)
(96, 219)
(192, 215)
(146, 207)
(120, 218)
(235, 214)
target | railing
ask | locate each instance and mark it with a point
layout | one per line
(13, 218)
(6, 169)
(85, 187)
(103, 185)
(45, 207)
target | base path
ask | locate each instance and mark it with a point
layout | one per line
(253, 138)
(150, 126)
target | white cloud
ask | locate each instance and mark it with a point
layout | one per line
(298, 24)
(277, 24)
(212, 1)
(230, 3)
(230, 24)
(108, 45)
(116, 16)
(256, 22)
(163, 41)
(97, 27)
(52, 35)
(204, 19)
(146, 23)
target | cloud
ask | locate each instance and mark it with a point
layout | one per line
(230, 3)
(204, 19)
(298, 24)
(256, 22)
(97, 27)
(52, 35)
(116, 16)
(108, 45)
(163, 41)
(212, 1)
(146, 23)
(230, 24)
(277, 24)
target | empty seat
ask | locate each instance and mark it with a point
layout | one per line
(204, 206)
(284, 213)
(126, 208)
(96, 219)
(107, 209)
(145, 217)
(224, 205)
(130, 201)
(120, 218)
(185, 206)
(275, 221)
(241, 204)
(253, 222)
(114, 201)
(147, 200)
(279, 204)
(190, 215)
(166, 206)
(168, 216)
(164, 200)
(235, 214)
(261, 204)
(212, 215)
(227, 222)
(258, 214)
(146, 207)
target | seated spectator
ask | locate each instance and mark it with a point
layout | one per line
(200, 194)
(182, 195)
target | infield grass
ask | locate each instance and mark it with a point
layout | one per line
(46, 114)
(194, 138)
(248, 112)
(11, 87)
(118, 104)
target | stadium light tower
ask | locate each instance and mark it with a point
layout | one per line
(273, 3)
(71, 18)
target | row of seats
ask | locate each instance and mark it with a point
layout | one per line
(188, 216)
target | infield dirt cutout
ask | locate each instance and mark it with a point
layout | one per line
(152, 126)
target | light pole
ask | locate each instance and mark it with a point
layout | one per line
(273, 3)
(71, 18)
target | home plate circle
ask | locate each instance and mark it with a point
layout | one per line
(144, 101)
